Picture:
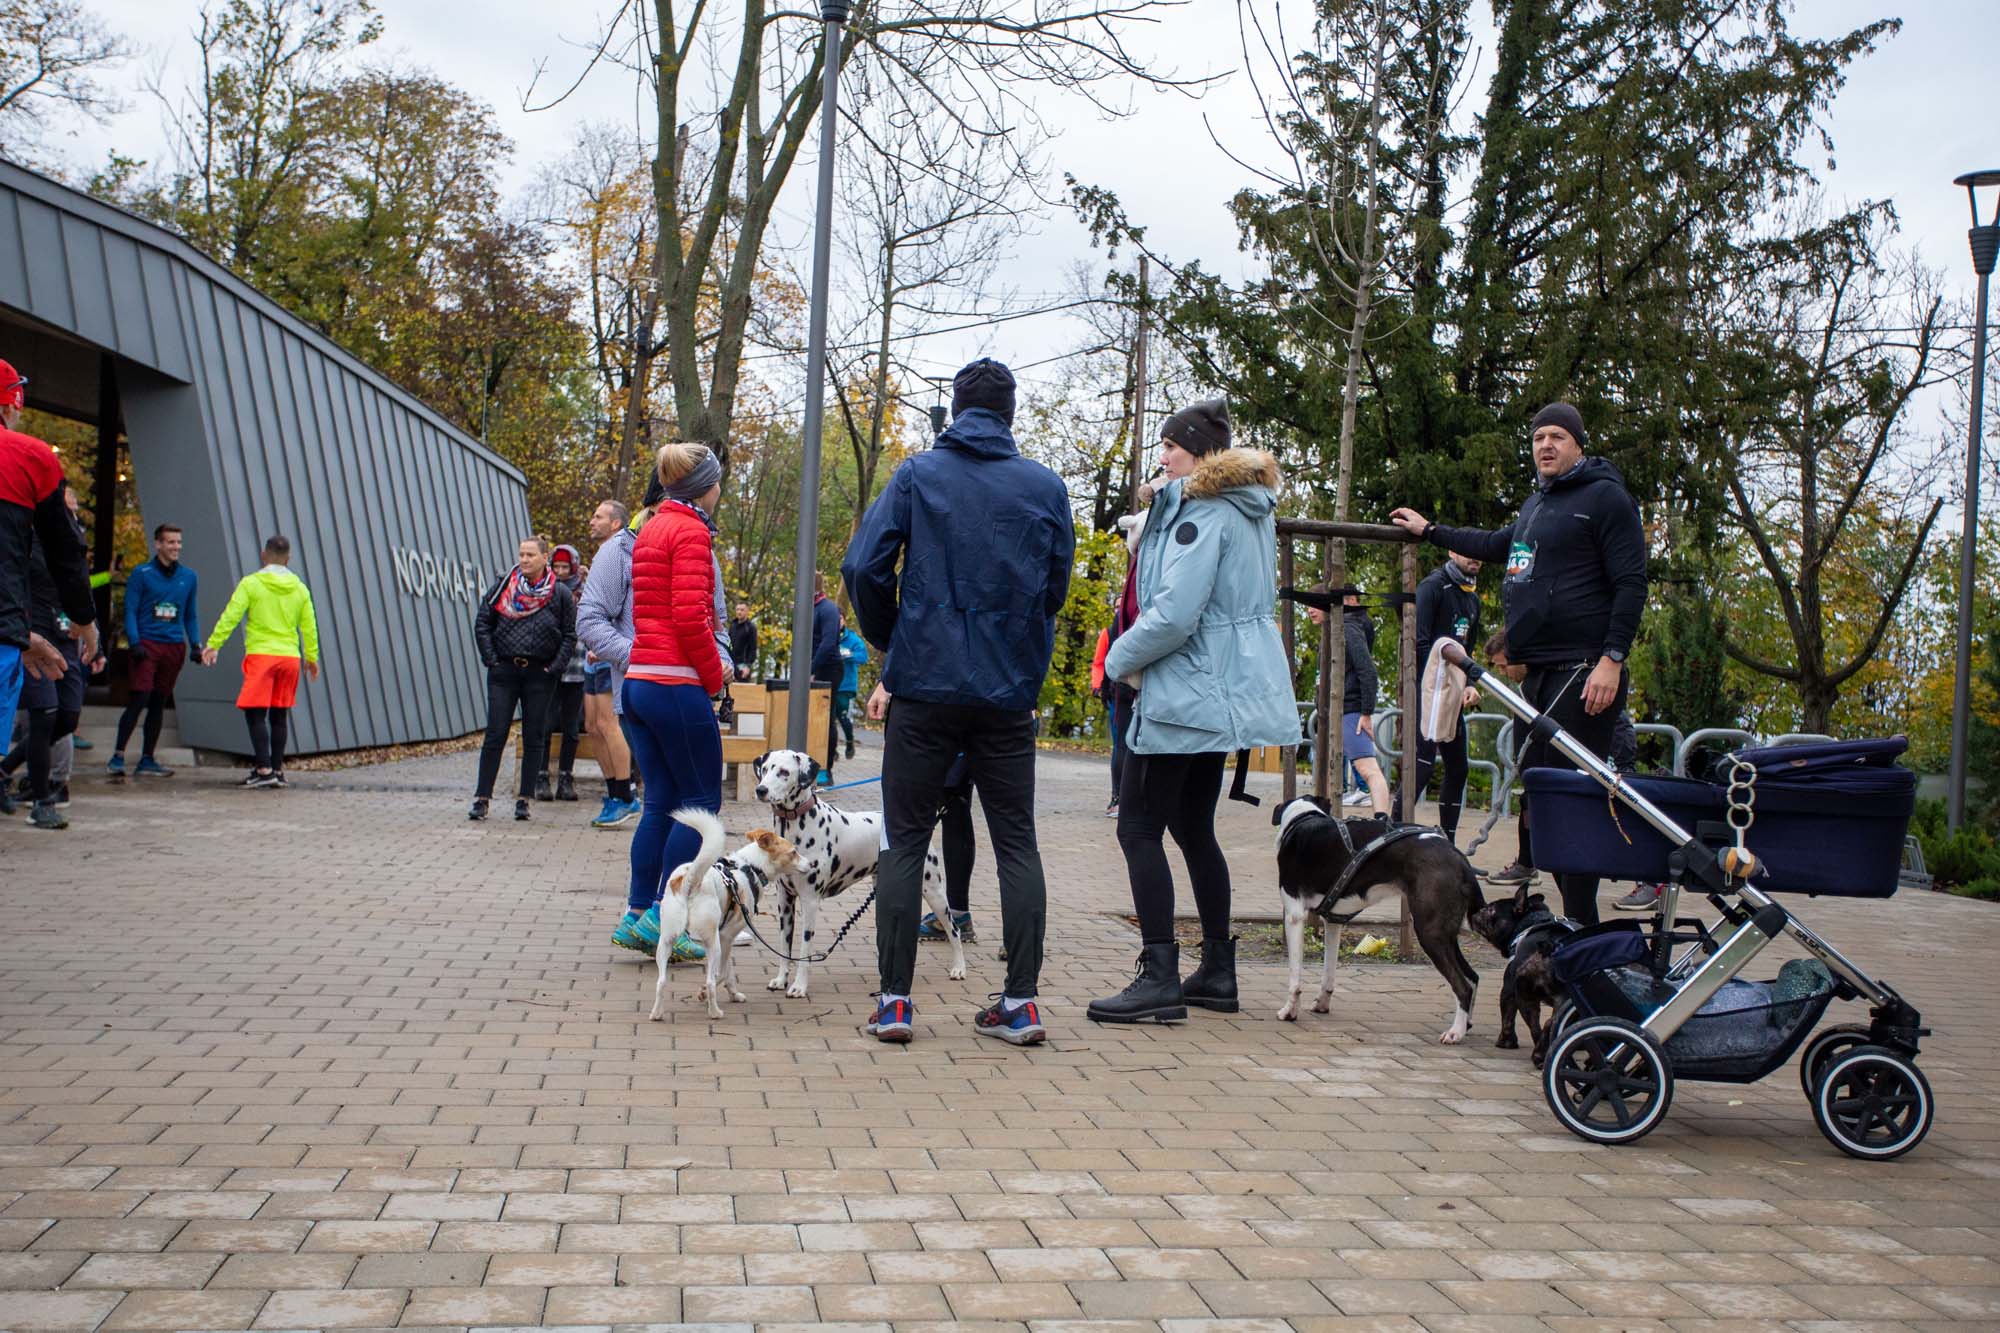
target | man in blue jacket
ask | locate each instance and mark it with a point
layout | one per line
(161, 622)
(984, 543)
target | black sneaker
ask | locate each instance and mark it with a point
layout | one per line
(43, 814)
(61, 798)
(850, 749)
(1643, 898)
(1513, 874)
(565, 788)
(278, 778)
(478, 809)
(8, 805)
(521, 810)
(1021, 1027)
(259, 778)
(543, 791)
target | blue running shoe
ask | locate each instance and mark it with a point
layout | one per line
(615, 813)
(1022, 1026)
(686, 950)
(929, 931)
(150, 767)
(85, 743)
(627, 936)
(892, 1021)
(115, 766)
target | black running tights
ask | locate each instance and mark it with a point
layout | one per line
(1173, 793)
(566, 720)
(46, 726)
(154, 704)
(960, 850)
(268, 728)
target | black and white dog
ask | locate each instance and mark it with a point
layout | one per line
(1314, 852)
(836, 850)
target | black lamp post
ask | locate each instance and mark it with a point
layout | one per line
(833, 13)
(1985, 238)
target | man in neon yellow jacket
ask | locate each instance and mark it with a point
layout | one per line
(277, 615)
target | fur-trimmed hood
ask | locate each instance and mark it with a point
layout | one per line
(1231, 469)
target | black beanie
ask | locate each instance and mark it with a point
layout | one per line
(985, 383)
(1565, 416)
(1199, 428)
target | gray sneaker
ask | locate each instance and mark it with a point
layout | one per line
(1513, 874)
(1643, 898)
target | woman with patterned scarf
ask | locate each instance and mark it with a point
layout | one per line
(526, 629)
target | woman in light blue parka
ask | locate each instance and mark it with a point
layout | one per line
(1204, 652)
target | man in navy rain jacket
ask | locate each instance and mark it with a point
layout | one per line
(958, 571)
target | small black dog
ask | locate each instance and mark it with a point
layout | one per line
(1424, 867)
(1526, 933)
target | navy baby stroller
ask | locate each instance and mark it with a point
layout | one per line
(1820, 819)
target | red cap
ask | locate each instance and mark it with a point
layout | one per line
(13, 387)
(567, 554)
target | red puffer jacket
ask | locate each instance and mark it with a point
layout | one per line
(673, 601)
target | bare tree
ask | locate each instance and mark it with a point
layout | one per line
(1831, 477)
(926, 218)
(980, 64)
(52, 54)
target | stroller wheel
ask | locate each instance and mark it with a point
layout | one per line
(1607, 1080)
(1822, 1049)
(1873, 1103)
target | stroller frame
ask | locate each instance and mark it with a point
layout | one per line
(1890, 1041)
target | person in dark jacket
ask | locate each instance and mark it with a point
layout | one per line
(826, 665)
(957, 572)
(31, 506)
(1574, 590)
(743, 642)
(566, 703)
(1447, 608)
(53, 706)
(526, 631)
(1360, 690)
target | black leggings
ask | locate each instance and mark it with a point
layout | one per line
(959, 848)
(46, 726)
(270, 728)
(154, 704)
(1451, 796)
(509, 686)
(566, 717)
(1173, 793)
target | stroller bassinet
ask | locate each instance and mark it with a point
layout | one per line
(1809, 819)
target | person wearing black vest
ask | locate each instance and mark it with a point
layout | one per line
(1573, 592)
(1447, 608)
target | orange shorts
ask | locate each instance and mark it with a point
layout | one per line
(269, 681)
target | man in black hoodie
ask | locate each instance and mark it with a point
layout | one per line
(1573, 591)
(1447, 608)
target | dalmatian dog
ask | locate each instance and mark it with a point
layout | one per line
(836, 850)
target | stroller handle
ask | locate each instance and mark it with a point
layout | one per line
(1702, 865)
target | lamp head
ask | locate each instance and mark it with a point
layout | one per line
(1985, 236)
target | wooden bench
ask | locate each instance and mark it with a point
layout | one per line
(761, 717)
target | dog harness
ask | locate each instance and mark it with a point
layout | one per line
(1359, 857)
(753, 882)
(1537, 922)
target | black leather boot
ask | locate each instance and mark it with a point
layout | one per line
(1155, 992)
(1213, 984)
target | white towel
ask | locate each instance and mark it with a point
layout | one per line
(1440, 695)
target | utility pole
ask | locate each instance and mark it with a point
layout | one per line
(833, 14)
(1139, 440)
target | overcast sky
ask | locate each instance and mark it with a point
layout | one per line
(1912, 117)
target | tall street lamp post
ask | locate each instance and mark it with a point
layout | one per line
(833, 14)
(1985, 238)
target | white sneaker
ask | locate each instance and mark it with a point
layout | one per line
(1359, 796)
(744, 939)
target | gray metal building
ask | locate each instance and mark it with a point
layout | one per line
(240, 421)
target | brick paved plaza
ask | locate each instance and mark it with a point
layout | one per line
(334, 1057)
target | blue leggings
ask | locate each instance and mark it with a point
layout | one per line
(678, 747)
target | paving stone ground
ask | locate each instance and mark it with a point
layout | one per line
(334, 1057)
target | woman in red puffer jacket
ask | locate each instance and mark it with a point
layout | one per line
(674, 670)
